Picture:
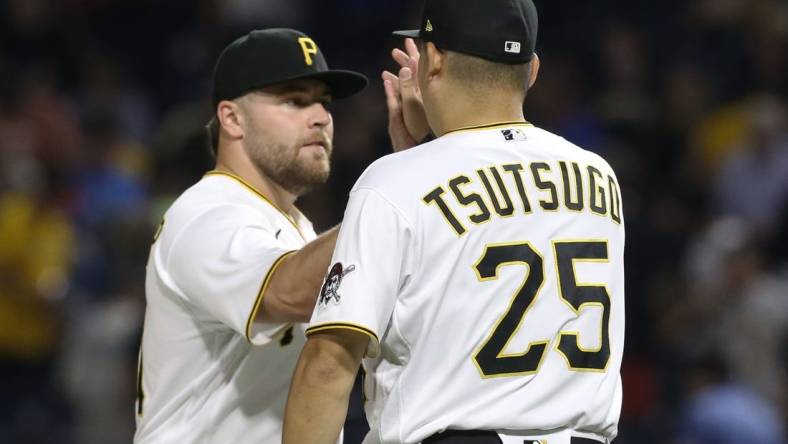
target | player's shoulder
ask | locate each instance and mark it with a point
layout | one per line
(395, 170)
(566, 150)
(213, 203)
(212, 193)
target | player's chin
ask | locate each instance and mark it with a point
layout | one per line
(303, 180)
(315, 162)
(315, 171)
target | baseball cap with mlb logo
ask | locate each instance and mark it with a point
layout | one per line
(501, 31)
(269, 56)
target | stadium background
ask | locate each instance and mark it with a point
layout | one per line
(102, 104)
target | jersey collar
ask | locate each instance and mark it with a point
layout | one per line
(254, 190)
(489, 126)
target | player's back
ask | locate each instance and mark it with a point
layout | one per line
(510, 311)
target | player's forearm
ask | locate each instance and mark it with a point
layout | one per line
(295, 284)
(317, 404)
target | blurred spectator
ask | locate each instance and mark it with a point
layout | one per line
(720, 411)
(36, 254)
(738, 306)
(753, 180)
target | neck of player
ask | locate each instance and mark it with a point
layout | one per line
(474, 113)
(243, 167)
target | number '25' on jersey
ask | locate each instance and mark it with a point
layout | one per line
(487, 268)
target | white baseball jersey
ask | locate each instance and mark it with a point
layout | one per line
(209, 373)
(487, 268)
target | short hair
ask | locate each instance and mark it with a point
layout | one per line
(480, 75)
(212, 136)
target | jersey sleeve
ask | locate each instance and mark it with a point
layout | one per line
(222, 263)
(368, 268)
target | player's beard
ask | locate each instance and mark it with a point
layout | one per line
(291, 169)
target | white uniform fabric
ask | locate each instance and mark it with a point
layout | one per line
(208, 373)
(456, 305)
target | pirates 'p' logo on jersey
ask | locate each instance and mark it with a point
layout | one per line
(332, 283)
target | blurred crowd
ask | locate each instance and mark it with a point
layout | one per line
(102, 112)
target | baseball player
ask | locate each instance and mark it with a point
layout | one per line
(235, 267)
(480, 274)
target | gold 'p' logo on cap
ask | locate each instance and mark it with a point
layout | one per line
(428, 27)
(309, 48)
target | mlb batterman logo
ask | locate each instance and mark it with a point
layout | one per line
(513, 134)
(512, 47)
(332, 283)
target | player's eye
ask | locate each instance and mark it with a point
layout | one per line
(298, 102)
(326, 102)
(303, 102)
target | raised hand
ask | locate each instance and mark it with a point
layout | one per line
(407, 120)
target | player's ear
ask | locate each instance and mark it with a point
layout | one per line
(230, 118)
(535, 63)
(435, 60)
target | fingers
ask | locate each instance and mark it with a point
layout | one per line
(393, 84)
(392, 98)
(401, 57)
(386, 75)
(408, 88)
(403, 99)
(406, 81)
(406, 59)
(398, 132)
(412, 49)
(405, 74)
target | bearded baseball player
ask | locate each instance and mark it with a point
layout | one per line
(479, 276)
(235, 268)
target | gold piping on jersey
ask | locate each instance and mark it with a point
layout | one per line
(554, 204)
(615, 200)
(489, 126)
(596, 189)
(531, 345)
(259, 300)
(492, 195)
(158, 230)
(436, 196)
(343, 326)
(578, 205)
(254, 190)
(140, 391)
(516, 171)
(466, 200)
(577, 311)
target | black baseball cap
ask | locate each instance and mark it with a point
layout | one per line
(501, 31)
(269, 56)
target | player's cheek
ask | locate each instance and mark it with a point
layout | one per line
(330, 126)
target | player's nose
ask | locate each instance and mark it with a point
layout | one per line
(319, 115)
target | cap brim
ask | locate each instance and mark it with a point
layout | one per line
(412, 33)
(342, 83)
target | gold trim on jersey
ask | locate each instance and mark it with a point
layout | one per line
(140, 390)
(489, 126)
(500, 319)
(458, 229)
(254, 190)
(259, 299)
(596, 191)
(466, 200)
(544, 185)
(581, 307)
(345, 326)
(158, 230)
